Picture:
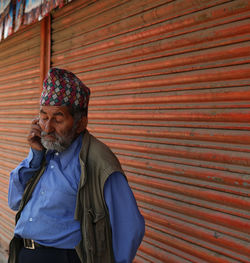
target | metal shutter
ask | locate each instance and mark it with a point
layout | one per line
(19, 92)
(170, 96)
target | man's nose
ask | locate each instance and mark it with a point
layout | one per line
(48, 127)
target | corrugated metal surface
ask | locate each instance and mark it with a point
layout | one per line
(171, 97)
(19, 92)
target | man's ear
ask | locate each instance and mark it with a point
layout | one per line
(82, 124)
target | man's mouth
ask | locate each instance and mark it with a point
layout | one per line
(49, 137)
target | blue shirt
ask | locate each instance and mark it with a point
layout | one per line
(48, 217)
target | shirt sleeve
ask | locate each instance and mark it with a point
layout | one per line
(20, 175)
(127, 223)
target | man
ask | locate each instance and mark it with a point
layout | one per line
(73, 200)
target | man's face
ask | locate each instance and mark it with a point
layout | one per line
(58, 129)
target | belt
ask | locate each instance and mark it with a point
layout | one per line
(31, 244)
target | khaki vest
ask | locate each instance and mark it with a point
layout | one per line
(97, 163)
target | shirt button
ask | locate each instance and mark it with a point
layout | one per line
(30, 219)
(56, 153)
(52, 166)
(42, 192)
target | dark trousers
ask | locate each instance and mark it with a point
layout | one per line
(48, 255)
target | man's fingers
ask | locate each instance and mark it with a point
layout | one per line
(35, 133)
(35, 128)
(34, 136)
(35, 121)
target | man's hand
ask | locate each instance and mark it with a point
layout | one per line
(34, 137)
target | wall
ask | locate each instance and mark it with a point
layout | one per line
(170, 96)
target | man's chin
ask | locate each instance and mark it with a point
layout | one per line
(55, 142)
(53, 145)
(49, 144)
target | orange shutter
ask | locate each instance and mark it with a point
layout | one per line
(19, 93)
(170, 96)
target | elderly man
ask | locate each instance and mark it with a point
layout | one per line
(73, 200)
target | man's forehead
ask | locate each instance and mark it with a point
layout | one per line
(54, 109)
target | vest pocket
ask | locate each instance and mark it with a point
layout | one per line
(96, 232)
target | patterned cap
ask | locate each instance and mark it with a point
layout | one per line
(63, 88)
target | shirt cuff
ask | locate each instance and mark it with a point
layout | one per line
(35, 157)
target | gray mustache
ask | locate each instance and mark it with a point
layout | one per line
(43, 133)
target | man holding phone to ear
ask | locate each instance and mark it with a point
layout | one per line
(73, 200)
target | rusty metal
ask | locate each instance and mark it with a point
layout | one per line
(171, 97)
(170, 94)
(19, 91)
